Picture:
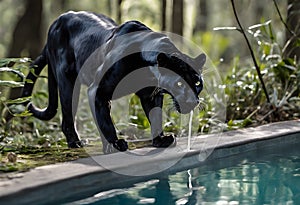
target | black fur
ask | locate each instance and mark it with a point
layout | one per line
(76, 36)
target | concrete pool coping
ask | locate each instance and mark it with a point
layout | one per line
(81, 178)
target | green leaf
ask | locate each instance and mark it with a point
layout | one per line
(246, 122)
(290, 67)
(18, 100)
(297, 42)
(260, 25)
(266, 47)
(17, 108)
(4, 61)
(7, 69)
(26, 113)
(225, 28)
(230, 123)
(11, 84)
(29, 81)
(41, 94)
(7, 61)
(271, 35)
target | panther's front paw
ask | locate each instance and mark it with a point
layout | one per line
(120, 145)
(164, 141)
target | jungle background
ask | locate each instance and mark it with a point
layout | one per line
(258, 62)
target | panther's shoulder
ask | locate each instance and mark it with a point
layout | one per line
(85, 16)
(82, 20)
(131, 26)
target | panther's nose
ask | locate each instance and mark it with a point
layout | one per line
(192, 100)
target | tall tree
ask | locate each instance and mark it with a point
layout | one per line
(27, 33)
(27, 36)
(259, 11)
(293, 33)
(119, 11)
(108, 7)
(201, 17)
(177, 17)
(163, 15)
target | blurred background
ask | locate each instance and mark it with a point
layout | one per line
(24, 23)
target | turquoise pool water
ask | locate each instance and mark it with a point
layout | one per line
(269, 177)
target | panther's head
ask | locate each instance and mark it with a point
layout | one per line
(180, 76)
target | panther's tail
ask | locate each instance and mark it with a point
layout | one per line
(38, 65)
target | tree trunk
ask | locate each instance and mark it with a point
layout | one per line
(177, 17)
(202, 16)
(59, 6)
(119, 11)
(27, 33)
(259, 11)
(293, 23)
(27, 37)
(108, 7)
(163, 15)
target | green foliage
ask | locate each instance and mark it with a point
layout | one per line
(212, 43)
(11, 76)
(136, 114)
(21, 132)
(281, 75)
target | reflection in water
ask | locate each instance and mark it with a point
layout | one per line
(275, 180)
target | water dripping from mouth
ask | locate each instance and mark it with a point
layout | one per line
(190, 131)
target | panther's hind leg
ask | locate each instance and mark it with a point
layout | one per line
(152, 106)
(69, 104)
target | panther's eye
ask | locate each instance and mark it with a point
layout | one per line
(198, 83)
(179, 84)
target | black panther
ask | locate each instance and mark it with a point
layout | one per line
(112, 55)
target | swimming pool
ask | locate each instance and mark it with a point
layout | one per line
(271, 176)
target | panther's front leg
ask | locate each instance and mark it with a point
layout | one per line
(107, 129)
(152, 105)
(101, 112)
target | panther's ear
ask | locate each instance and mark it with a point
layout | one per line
(162, 59)
(200, 60)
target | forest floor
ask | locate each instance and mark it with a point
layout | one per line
(28, 158)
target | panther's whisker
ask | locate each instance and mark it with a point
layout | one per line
(202, 106)
(155, 91)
